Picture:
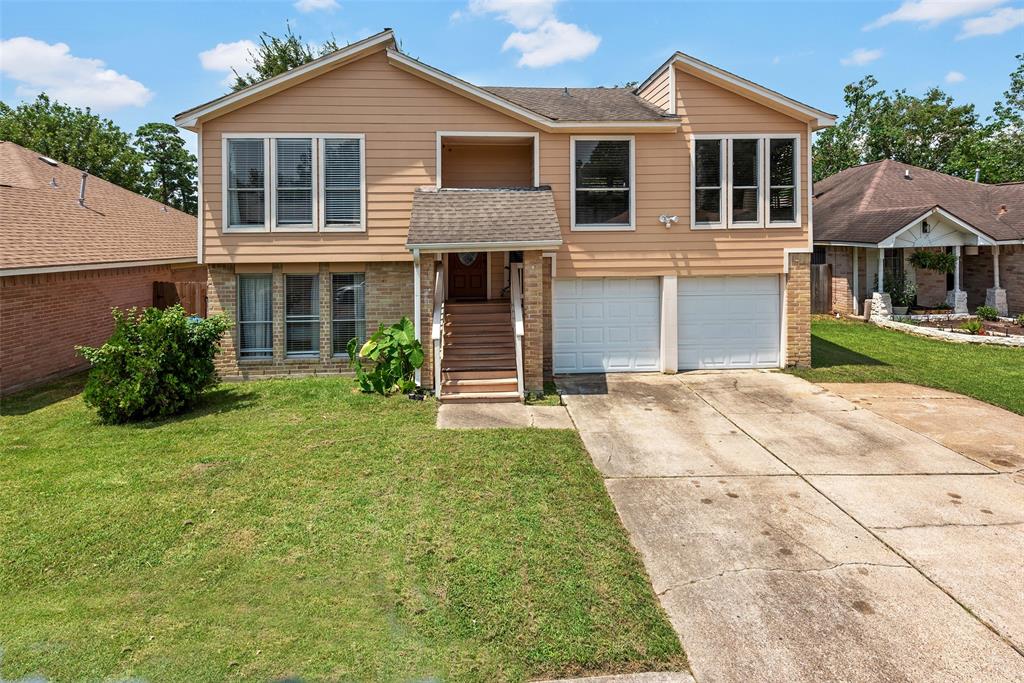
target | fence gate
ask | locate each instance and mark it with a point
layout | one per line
(821, 288)
(191, 296)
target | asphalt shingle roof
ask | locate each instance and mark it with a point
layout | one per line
(867, 203)
(582, 104)
(505, 216)
(43, 225)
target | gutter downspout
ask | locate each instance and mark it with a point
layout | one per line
(416, 300)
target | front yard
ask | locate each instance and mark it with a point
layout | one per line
(849, 351)
(296, 529)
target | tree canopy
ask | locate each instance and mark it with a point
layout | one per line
(931, 131)
(275, 55)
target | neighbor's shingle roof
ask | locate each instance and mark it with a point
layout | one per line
(43, 226)
(498, 216)
(583, 104)
(868, 203)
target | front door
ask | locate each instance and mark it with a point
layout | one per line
(467, 275)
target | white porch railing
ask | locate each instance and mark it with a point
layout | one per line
(437, 329)
(516, 283)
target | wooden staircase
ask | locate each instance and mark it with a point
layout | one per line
(478, 364)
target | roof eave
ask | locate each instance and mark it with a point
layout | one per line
(484, 246)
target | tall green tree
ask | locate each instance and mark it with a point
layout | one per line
(76, 137)
(1001, 145)
(170, 168)
(275, 55)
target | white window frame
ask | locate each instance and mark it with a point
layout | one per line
(241, 323)
(315, 353)
(759, 221)
(723, 183)
(631, 187)
(321, 173)
(270, 183)
(314, 180)
(226, 194)
(366, 332)
(764, 219)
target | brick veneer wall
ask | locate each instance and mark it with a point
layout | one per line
(798, 310)
(43, 317)
(533, 321)
(841, 260)
(549, 373)
(428, 268)
(389, 296)
(931, 285)
(1011, 276)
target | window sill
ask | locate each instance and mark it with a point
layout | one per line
(343, 228)
(293, 228)
(302, 359)
(710, 226)
(603, 228)
(268, 360)
(247, 229)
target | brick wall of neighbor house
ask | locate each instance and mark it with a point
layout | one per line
(549, 372)
(841, 260)
(931, 285)
(798, 310)
(978, 275)
(389, 296)
(533, 321)
(43, 317)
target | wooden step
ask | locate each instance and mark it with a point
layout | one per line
(479, 386)
(499, 305)
(481, 397)
(455, 375)
(477, 364)
(478, 318)
(485, 338)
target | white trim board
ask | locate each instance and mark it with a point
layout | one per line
(484, 246)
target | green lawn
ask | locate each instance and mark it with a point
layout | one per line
(296, 529)
(848, 351)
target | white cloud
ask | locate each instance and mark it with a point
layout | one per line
(316, 5)
(79, 81)
(933, 12)
(955, 77)
(860, 57)
(1000, 21)
(542, 39)
(228, 58)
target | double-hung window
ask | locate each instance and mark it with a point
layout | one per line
(348, 311)
(745, 181)
(302, 315)
(342, 183)
(246, 189)
(602, 183)
(293, 187)
(255, 326)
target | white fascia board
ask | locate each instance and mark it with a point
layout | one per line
(485, 246)
(983, 239)
(6, 272)
(190, 118)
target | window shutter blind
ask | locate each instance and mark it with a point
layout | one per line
(245, 182)
(348, 304)
(255, 326)
(342, 181)
(745, 180)
(302, 315)
(294, 181)
(602, 182)
(708, 181)
(782, 178)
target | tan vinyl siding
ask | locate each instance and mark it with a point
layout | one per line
(400, 114)
(658, 91)
(487, 165)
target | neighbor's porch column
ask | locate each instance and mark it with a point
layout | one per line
(996, 296)
(856, 280)
(881, 303)
(881, 270)
(957, 298)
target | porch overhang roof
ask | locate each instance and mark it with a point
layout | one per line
(881, 228)
(483, 220)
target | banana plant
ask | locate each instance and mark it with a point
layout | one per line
(395, 353)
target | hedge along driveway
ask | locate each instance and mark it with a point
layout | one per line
(296, 529)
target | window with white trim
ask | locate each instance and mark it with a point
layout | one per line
(293, 187)
(245, 183)
(745, 181)
(602, 183)
(302, 315)
(255, 316)
(348, 310)
(342, 182)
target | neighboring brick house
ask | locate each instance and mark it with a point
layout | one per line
(526, 231)
(870, 219)
(65, 263)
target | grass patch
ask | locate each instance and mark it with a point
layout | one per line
(850, 351)
(296, 529)
(550, 397)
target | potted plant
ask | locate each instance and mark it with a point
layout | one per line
(903, 293)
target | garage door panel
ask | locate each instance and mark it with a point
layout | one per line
(611, 325)
(728, 322)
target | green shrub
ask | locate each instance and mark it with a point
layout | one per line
(987, 313)
(938, 261)
(901, 290)
(155, 364)
(972, 326)
(1020, 320)
(396, 354)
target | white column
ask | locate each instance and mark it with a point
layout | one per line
(669, 324)
(881, 270)
(856, 279)
(956, 276)
(995, 266)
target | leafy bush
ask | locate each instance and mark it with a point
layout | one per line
(901, 290)
(396, 354)
(1020, 320)
(972, 326)
(155, 364)
(938, 261)
(987, 313)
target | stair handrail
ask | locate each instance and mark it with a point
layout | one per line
(516, 283)
(437, 329)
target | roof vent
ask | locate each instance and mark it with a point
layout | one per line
(1003, 210)
(53, 182)
(48, 160)
(565, 91)
(81, 191)
(906, 174)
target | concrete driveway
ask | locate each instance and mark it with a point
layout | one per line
(796, 533)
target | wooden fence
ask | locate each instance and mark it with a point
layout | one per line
(191, 296)
(821, 288)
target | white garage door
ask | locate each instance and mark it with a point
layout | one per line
(606, 324)
(729, 322)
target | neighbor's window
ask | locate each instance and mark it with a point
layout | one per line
(246, 193)
(602, 183)
(255, 326)
(348, 306)
(302, 315)
(746, 183)
(782, 180)
(294, 182)
(342, 182)
(708, 169)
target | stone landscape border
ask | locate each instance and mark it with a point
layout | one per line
(957, 337)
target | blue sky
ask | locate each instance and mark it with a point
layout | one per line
(145, 61)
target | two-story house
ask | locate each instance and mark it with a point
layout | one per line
(527, 231)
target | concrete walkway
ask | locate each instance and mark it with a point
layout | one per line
(792, 534)
(501, 415)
